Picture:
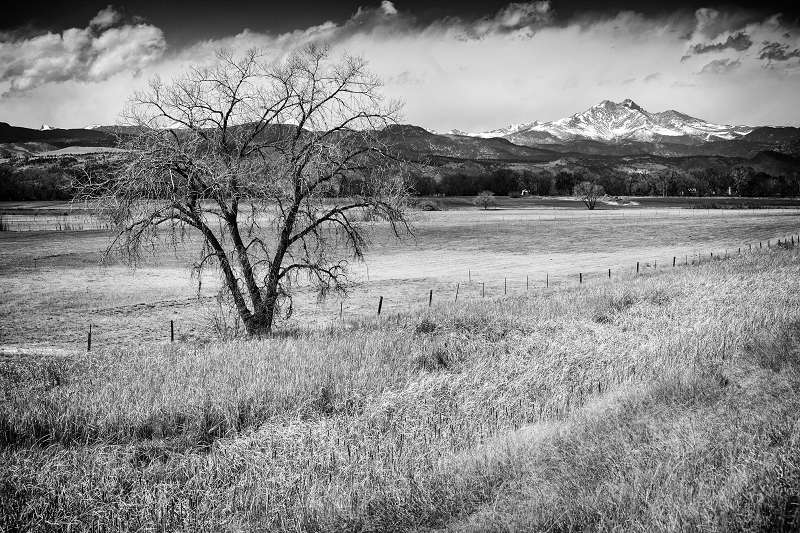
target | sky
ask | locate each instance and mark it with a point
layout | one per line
(472, 66)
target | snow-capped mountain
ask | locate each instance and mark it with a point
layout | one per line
(46, 127)
(613, 122)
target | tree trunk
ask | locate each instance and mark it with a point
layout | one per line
(260, 322)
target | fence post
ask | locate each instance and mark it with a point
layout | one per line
(341, 309)
(505, 286)
(637, 267)
(673, 261)
(430, 298)
(89, 339)
(380, 305)
(547, 280)
(609, 273)
(483, 289)
(171, 331)
(580, 277)
(456, 292)
(527, 283)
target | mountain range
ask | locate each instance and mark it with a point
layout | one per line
(625, 128)
(617, 123)
(606, 129)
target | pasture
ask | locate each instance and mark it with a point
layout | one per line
(54, 287)
(667, 401)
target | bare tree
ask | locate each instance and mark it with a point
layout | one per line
(589, 193)
(279, 167)
(484, 199)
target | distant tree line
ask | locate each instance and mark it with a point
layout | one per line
(34, 183)
(51, 180)
(47, 179)
(735, 181)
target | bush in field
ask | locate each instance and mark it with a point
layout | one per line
(589, 193)
(485, 200)
(429, 205)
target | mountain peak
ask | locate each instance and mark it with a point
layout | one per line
(604, 103)
(612, 106)
(630, 104)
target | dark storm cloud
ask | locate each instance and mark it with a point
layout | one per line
(777, 52)
(739, 42)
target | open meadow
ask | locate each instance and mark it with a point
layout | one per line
(667, 401)
(54, 287)
(664, 400)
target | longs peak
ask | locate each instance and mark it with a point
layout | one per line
(615, 122)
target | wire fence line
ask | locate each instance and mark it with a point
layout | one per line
(472, 288)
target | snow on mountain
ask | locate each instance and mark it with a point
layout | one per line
(618, 122)
(509, 130)
(46, 127)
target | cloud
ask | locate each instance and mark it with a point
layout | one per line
(777, 52)
(523, 62)
(711, 23)
(739, 42)
(90, 54)
(388, 8)
(721, 66)
(732, 36)
(518, 15)
(105, 18)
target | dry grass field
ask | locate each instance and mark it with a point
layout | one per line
(664, 402)
(53, 287)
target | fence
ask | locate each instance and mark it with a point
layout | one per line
(578, 278)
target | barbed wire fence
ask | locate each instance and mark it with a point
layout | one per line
(473, 288)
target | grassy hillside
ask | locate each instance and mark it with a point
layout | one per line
(664, 402)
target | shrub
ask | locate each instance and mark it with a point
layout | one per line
(485, 200)
(429, 205)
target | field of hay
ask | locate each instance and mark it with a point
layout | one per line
(54, 289)
(663, 402)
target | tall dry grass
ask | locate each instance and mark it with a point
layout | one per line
(665, 402)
